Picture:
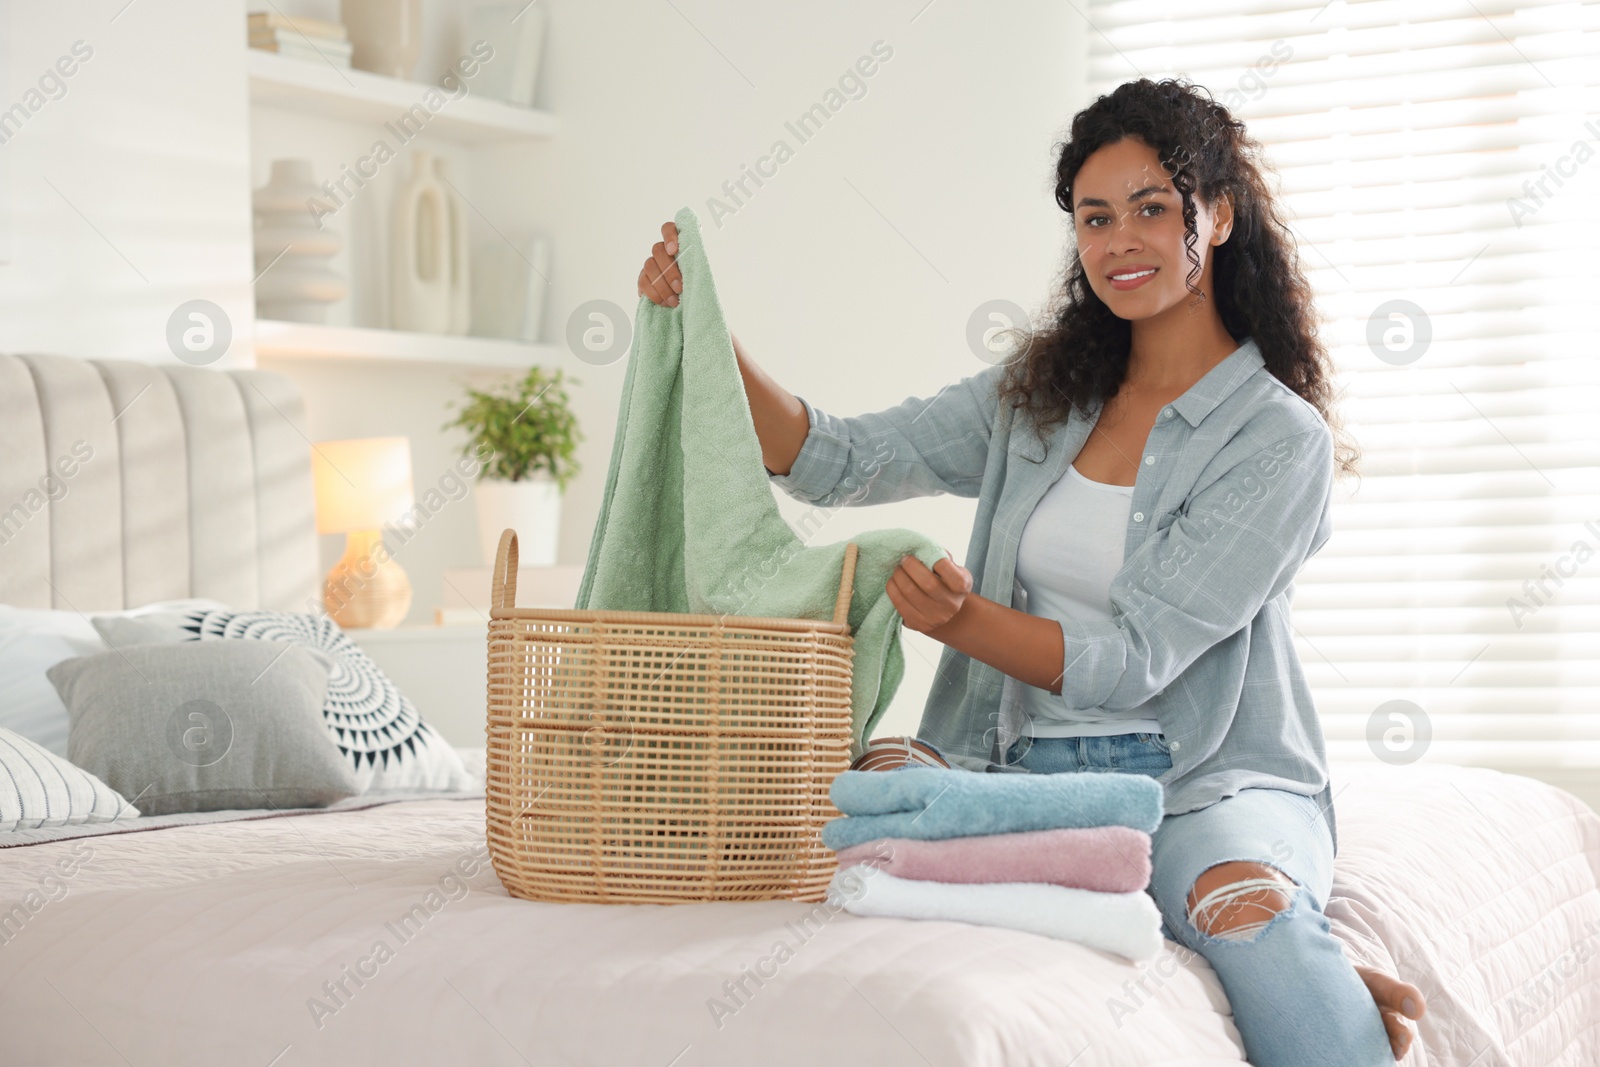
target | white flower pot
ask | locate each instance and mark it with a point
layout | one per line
(531, 507)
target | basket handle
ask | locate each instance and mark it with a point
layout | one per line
(503, 593)
(847, 576)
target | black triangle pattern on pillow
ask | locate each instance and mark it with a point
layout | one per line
(373, 723)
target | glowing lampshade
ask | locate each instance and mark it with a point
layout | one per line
(361, 484)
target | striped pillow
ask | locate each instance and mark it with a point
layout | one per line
(39, 790)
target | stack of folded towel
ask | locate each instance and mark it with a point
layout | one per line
(1063, 855)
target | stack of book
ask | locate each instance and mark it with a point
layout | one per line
(300, 38)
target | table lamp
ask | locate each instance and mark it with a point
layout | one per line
(361, 485)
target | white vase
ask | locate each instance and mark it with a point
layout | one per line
(420, 251)
(518, 46)
(538, 285)
(497, 280)
(531, 507)
(294, 281)
(460, 266)
(386, 35)
(530, 46)
(508, 288)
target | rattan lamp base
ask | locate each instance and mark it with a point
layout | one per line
(366, 589)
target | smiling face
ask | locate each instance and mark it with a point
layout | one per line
(1128, 217)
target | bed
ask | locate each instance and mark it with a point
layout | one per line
(377, 932)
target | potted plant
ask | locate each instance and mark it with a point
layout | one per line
(525, 434)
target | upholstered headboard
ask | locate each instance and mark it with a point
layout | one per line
(122, 484)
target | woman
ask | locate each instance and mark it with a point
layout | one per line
(1151, 472)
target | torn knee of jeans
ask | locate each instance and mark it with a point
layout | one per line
(1210, 914)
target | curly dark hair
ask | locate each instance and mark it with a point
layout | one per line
(1081, 359)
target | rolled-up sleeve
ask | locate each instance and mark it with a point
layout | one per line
(920, 447)
(1237, 545)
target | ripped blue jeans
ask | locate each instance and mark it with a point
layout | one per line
(1297, 999)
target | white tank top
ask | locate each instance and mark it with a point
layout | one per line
(1070, 550)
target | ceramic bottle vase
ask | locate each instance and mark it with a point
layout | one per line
(460, 254)
(294, 281)
(429, 270)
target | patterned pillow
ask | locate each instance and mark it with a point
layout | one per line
(39, 790)
(374, 725)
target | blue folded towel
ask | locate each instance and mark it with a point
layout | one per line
(932, 803)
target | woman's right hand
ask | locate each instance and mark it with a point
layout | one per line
(660, 278)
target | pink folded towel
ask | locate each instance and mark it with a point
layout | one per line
(1111, 859)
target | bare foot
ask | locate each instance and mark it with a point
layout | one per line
(1392, 996)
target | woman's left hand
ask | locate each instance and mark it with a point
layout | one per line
(928, 599)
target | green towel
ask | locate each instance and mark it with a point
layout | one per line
(689, 522)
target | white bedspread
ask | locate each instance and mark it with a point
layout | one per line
(212, 945)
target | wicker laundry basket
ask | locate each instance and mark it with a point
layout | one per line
(654, 757)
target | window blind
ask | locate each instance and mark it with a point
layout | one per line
(1443, 153)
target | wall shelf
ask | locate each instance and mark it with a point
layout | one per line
(319, 89)
(298, 340)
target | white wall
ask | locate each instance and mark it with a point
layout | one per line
(850, 275)
(128, 194)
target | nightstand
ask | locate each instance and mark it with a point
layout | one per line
(467, 588)
(442, 670)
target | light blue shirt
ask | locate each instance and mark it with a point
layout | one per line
(1232, 497)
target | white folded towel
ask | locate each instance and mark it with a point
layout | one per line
(1128, 924)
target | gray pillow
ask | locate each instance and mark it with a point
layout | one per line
(381, 733)
(207, 726)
